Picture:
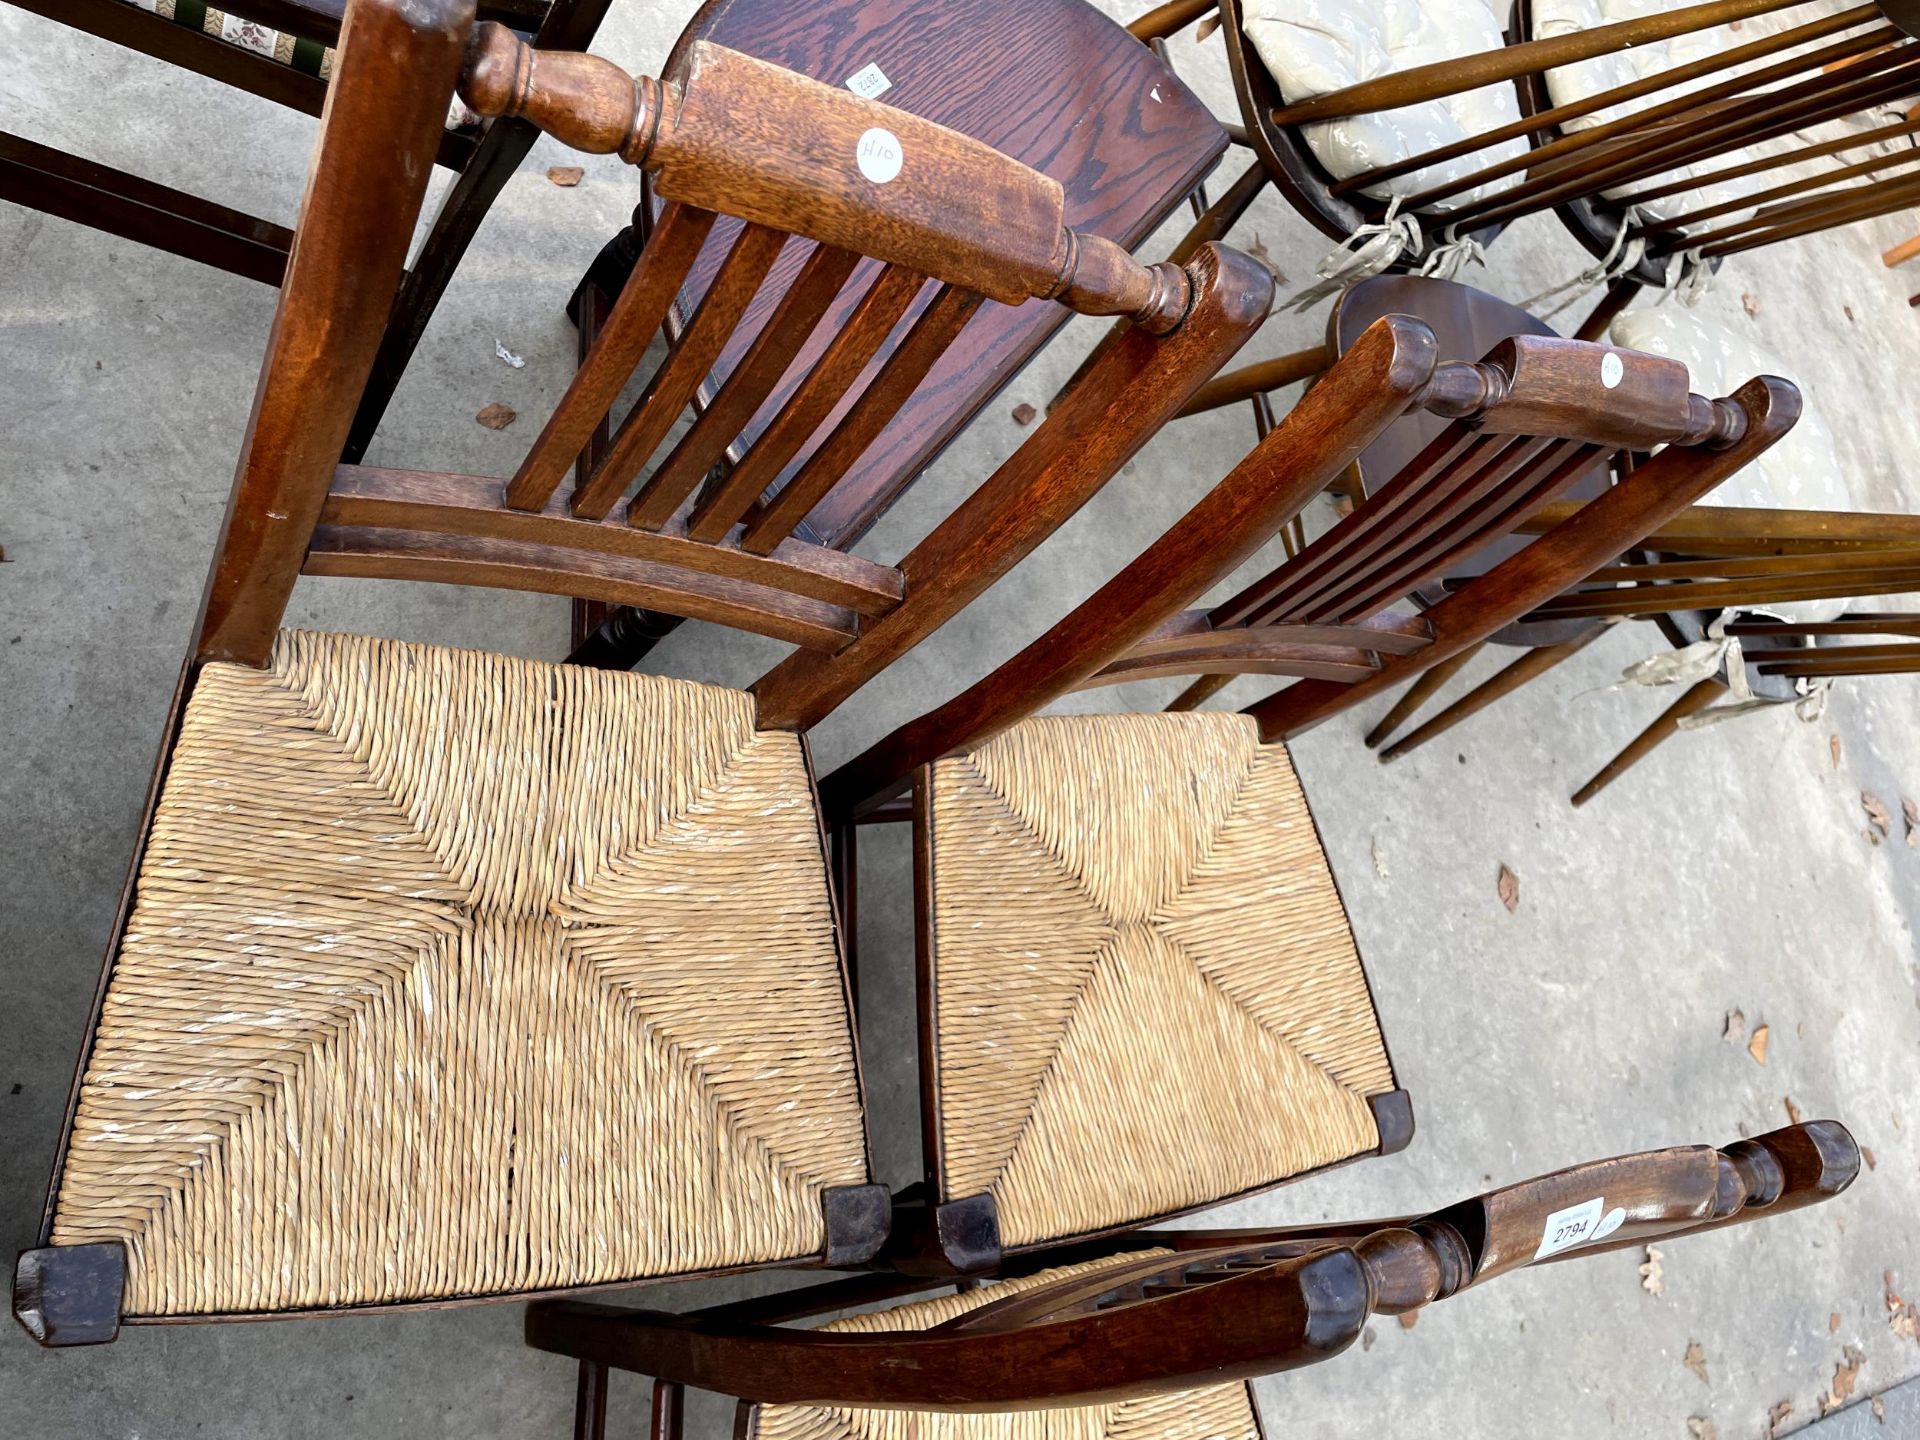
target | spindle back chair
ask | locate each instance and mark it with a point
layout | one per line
(1715, 561)
(1128, 932)
(1636, 170)
(1162, 1331)
(549, 956)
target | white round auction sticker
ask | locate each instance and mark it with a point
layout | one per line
(1612, 372)
(878, 154)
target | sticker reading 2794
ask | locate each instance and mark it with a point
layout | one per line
(1577, 1225)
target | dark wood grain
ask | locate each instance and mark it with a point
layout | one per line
(1054, 84)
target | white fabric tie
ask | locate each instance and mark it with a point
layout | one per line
(1380, 245)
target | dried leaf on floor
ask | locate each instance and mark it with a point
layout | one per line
(1367, 1337)
(1696, 1360)
(1833, 749)
(1846, 1375)
(1849, 311)
(496, 416)
(1876, 812)
(1910, 812)
(1653, 1278)
(1757, 1046)
(1867, 1155)
(1023, 413)
(1409, 1319)
(1206, 27)
(1869, 834)
(1902, 1318)
(1509, 887)
(1793, 1110)
(1833, 1321)
(1750, 304)
(1879, 1410)
(1777, 1417)
(565, 176)
(1701, 1428)
(1379, 861)
(1736, 1030)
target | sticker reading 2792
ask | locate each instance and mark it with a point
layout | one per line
(1577, 1225)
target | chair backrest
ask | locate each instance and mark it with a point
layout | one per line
(1534, 415)
(800, 163)
(1203, 1307)
(1673, 137)
(1715, 558)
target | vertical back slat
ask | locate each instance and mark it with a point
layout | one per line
(1428, 512)
(746, 389)
(1549, 472)
(937, 328)
(637, 315)
(810, 404)
(1456, 451)
(673, 384)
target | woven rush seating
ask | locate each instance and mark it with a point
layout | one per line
(1146, 994)
(513, 974)
(1214, 1412)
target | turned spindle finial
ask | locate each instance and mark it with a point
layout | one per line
(581, 100)
(1462, 389)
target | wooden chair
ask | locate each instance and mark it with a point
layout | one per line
(1159, 1334)
(1639, 187)
(1750, 566)
(1135, 969)
(1054, 84)
(280, 51)
(446, 976)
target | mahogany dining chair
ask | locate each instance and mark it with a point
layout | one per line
(444, 976)
(1139, 991)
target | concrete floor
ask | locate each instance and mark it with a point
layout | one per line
(1730, 871)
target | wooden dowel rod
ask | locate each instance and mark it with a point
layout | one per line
(1775, 113)
(1169, 19)
(1773, 162)
(1550, 159)
(1454, 77)
(1881, 198)
(1837, 176)
(1901, 253)
(1648, 740)
(1619, 95)
(1258, 379)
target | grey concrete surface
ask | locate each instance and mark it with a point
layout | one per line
(1729, 871)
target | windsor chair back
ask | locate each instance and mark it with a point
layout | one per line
(549, 957)
(1647, 156)
(1163, 1330)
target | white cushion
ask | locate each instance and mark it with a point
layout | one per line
(1570, 83)
(1313, 47)
(1800, 471)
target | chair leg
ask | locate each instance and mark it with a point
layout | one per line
(1199, 692)
(1649, 739)
(1619, 295)
(1534, 663)
(590, 1402)
(844, 855)
(1425, 686)
(668, 1403)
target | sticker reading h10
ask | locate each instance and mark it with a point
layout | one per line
(878, 154)
(869, 81)
(1612, 372)
(1577, 1225)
